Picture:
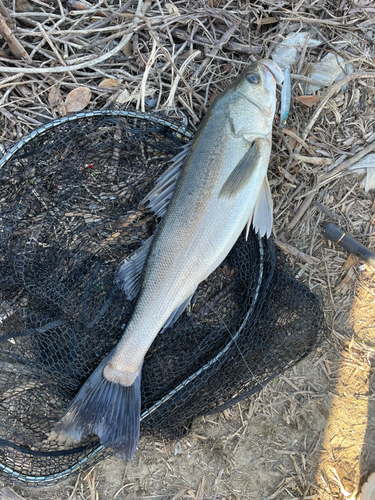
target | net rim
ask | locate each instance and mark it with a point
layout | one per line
(153, 118)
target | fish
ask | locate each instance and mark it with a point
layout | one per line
(215, 187)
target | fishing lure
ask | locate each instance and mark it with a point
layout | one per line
(286, 94)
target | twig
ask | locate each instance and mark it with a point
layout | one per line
(303, 54)
(28, 119)
(46, 38)
(165, 52)
(326, 211)
(348, 163)
(150, 62)
(301, 211)
(287, 145)
(172, 92)
(328, 22)
(330, 92)
(330, 176)
(314, 160)
(5, 13)
(223, 40)
(6, 81)
(294, 136)
(15, 46)
(136, 24)
(297, 253)
(283, 27)
(9, 115)
(244, 49)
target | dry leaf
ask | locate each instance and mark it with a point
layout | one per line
(350, 262)
(366, 165)
(24, 6)
(171, 8)
(78, 5)
(227, 68)
(213, 97)
(77, 99)
(127, 49)
(123, 97)
(25, 91)
(109, 83)
(307, 100)
(267, 20)
(292, 141)
(54, 96)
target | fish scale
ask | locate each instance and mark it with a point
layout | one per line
(221, 186)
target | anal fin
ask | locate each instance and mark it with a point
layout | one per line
(177, 312)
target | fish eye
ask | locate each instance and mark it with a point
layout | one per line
(252, 78)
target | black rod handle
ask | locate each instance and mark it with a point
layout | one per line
(338, 236)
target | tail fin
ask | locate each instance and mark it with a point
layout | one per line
(109, 410)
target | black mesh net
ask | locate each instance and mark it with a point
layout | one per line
(69, 214)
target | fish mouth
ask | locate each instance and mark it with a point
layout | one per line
(273, 68)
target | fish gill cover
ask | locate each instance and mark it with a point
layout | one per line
(69, 214)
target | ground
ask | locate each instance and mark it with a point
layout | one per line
(306, 435)
(310, 433)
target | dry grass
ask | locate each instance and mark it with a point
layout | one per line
(310, 433)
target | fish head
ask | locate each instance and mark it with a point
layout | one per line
(251, 99)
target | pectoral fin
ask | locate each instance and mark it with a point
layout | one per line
(262, 215)
(240, 177)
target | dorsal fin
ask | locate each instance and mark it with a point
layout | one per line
(157, 200)
(128, 275)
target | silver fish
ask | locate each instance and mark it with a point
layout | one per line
(213, 189)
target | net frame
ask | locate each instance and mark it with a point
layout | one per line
(152, 417)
